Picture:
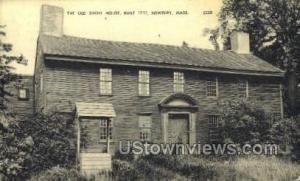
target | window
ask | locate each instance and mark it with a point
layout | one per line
(213, 125)
(244, 87)
(212, 87)
(178, 82)
(23, 94)
(103, 129)
(144, 83)
(41, 82)
(105, 81)
(145, 128)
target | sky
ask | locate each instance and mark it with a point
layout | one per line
(22, 19)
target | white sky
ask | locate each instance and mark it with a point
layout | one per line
(22, 23)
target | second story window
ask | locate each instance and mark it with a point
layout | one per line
(178, 82)
(144, 83)
(212, 87)
(105, 81)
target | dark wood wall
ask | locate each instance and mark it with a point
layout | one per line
(66, 83)
(21, 107)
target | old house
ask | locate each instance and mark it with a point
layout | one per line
(140, 91)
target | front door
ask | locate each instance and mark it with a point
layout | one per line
(178, 128)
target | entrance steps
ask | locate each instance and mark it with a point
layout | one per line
(95, 163)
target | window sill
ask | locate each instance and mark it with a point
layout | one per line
(23, 99)
(105, 141)
(144, 96)
(212, 97)
(108, 95)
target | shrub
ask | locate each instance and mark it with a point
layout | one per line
(286, 134)
(124, 170)
(186, 165)
(244, 122)
(58, 173)
(15, 149)
(54, 139)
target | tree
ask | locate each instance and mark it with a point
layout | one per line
(274, 29)
(6, 75)
(14, 146)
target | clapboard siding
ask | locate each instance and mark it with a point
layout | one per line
(67, 83)
(14, 104)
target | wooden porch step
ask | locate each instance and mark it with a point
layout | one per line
(95, 162)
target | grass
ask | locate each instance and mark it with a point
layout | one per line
(188, 167)
(267, 168)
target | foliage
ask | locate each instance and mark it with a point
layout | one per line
(141, 169)
(273, 26)
(54, 139)
(274, 29)
(286, 134)
(6, 76)
(58, 173)
(186, 165)
(190, 167)
(15, 149)
(125, 170)
(244, 122)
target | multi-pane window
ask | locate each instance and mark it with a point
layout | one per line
(104, 128)
(144, 83)
(213, 124)
(23, 93)
(105, 81)
(145, 128)
(212, 87)
(178, 82)
(243, 87)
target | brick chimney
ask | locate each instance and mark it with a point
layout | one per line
(240, 42)
(51, 22)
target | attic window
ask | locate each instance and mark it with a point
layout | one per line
(23, 94)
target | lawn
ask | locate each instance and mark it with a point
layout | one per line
(187, 167)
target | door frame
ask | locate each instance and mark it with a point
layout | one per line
(191, 125)
(188, 122)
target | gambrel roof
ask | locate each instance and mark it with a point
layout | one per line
(139, 54)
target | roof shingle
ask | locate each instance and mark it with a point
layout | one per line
(153, 53)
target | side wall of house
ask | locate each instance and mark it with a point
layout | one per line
(38, 81)
(67, 83)
(21, 107)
